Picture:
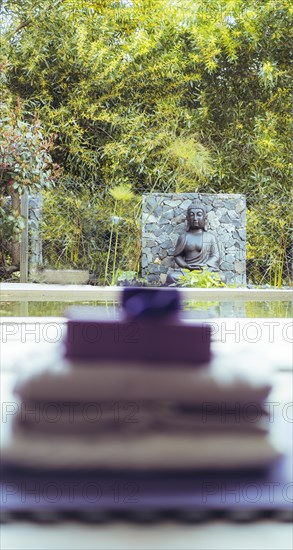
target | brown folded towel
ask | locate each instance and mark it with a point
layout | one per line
(139, 416)
(144, 452)
(225, 380)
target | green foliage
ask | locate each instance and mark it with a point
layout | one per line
(164, 95)
(84, 230)
(200, 279)
(126, 276)
(271, 240)
(121, 194)
(25, 161)
(194, 160)
(11, 223)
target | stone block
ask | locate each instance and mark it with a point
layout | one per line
(167, 244)
(149, 237)
(172, 202)
(179, 229)
(168, 214)
(151, 227)
(155, 250)
(154, 268)
(157, 212)
(167, 262)
(236, 223)
(229, 258)
(33, 224)
(163, 277)
(149, 218)
(240, 207)
(240, 267)
(168, 229)
(226, 266)
(221, 231)
(185, 204)
(241, 233)
(179, 212)
(218, 203)
(214, 223)
(212, 216)
(230, 276)
(144, 261)
(32, 203)
(176, 220)
(161, 238)
(230, 228)
(228, 241)
(152, 278)
(221, 212)
(149, 202)
(163, 223)
(232, 214)
(240, 279)
(65, 276)
(225, 219)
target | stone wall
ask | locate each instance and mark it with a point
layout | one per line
(34, 227)
(34, 219)
(163, 219)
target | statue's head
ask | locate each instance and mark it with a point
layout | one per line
(196, 216)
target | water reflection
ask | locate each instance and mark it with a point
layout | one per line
(192, 309)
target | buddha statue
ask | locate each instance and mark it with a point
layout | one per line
(196, 248)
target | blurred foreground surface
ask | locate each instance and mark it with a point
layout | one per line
(216, 535)
(273, 341)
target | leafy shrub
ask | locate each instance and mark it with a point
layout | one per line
(25, 164)
(200, 279)
(83, 229)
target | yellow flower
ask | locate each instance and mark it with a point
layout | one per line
(122, 193)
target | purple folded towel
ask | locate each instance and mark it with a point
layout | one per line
(148, 328)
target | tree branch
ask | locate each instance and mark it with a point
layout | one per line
(22, 26)
(27, 22)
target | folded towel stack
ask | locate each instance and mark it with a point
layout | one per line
(89, 408)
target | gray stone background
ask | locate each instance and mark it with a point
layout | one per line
(34, 227)
(34, 220)
(163, 219)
